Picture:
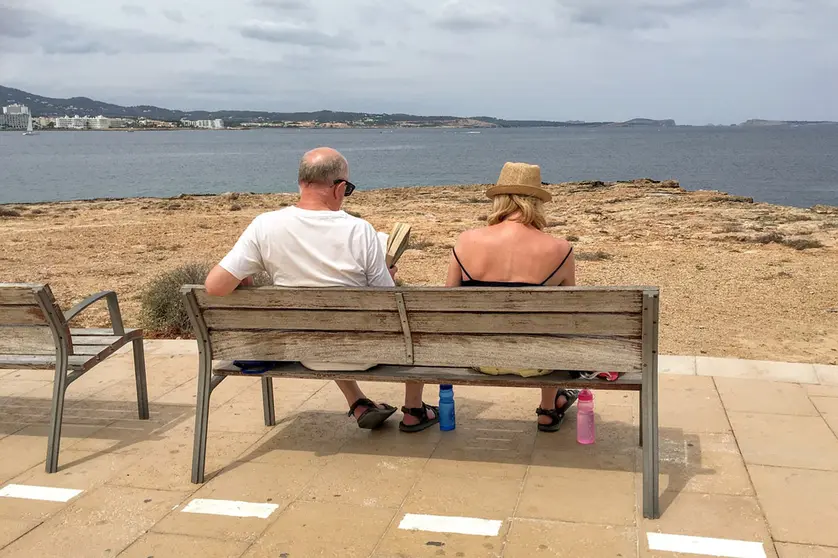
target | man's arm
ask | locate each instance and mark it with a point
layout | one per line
(377, 273)
(237, 267)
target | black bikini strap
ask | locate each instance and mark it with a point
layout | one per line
(558, 268)
(461, 265)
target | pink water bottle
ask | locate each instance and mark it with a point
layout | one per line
(585, 427)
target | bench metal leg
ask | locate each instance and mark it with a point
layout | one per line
(641, 415)
(268, 401)
(59, 389)
(199, 449)
(139, 375)
(649, 408)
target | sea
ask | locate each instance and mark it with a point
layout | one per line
(786, 165)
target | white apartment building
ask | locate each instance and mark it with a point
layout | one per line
(15, 109)
(83, 122)
(217, 124)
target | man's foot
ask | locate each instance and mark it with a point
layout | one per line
(561, 401)
(370, 414)
(419, 418)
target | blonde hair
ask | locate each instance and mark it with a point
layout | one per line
(529, 210)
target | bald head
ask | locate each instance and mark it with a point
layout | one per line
(322, 166)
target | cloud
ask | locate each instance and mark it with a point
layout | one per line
(286, 33)
(638, 14)
(283, 5)
(134, 10)
(463, 16)
(15, 23)
(55, 36)
(174, 16)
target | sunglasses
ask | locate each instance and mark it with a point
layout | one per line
(349, 186)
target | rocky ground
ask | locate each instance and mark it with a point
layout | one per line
(738, 278)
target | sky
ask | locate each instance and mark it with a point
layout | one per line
(697, 61)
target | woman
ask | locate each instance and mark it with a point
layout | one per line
(514, 252)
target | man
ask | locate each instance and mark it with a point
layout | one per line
(315, 244)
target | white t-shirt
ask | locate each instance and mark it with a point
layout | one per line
(304, 248)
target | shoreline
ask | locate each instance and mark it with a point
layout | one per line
(738, 278)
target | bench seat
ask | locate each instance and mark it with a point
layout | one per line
(90, 347)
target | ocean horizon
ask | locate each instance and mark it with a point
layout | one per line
(780, 165)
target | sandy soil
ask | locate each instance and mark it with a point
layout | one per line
(730, 287)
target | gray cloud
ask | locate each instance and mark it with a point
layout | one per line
(16, 23)
(283, 5)
(283, 33)
(460, 16)
(639, 14)
(134, 10)
(174, 15)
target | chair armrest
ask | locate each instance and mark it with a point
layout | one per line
(113, 309)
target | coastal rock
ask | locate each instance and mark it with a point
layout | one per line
(825, 209)
(670, 184)
(232, 196)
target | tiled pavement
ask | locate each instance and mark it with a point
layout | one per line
(749, 453)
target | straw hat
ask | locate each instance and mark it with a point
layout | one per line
(522, 179)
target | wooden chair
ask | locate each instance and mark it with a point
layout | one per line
(435, 335)
(35, 334)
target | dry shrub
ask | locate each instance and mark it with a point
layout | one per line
(593, 256)
(802, 243)
(419, 244)
(572, 238)
(235, 207)
(477, 199)
(768, 238)
(8, 212)
(162, 308)
(731, 228)
(353, 213)
(482, 217)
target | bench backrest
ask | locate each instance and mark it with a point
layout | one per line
(566, 328)
(31, 323)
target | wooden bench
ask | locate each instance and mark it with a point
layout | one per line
(434, 335)
(35, 334)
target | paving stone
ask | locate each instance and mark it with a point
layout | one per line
(828, 375)
(606, 481)
(401, 543)
(548, 539)
(678, 365)
(102, 522)
(822, 390)
(785, 440)
(244, 482)
(487, 498)
(799, 504)
(757, 370)
(161, 544)
(314, 529)
(828, 407)
(707, 515)
(365, 480)
(788, 550)
(707, 463)
(759, 396)
(12, 529)
(692, 410)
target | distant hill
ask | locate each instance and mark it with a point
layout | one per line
(755, 123)
(84, 106)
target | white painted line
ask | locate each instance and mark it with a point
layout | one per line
(705, 546)
(230, 507)
(47, 493)
(458, 525)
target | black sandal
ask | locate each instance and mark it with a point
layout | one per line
(557, 414)
(422, 414)
(374, 416)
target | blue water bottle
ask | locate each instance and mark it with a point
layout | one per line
(447, 416)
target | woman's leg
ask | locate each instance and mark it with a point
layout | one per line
(413, 400)
(548, 401)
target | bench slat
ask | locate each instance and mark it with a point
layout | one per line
(23, 294)
(45, 362)
(520, 351)
(386, 348)
(540, 299)
(22, 315)
(425, 322)
(26, 340)
(434, 375)
(322, 320)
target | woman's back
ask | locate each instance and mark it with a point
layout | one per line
(510, 252)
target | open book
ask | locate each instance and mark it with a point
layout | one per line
(395, 243)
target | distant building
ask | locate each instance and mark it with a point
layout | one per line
(83, 122)
(16, 109)
(15, 117)
(217, 124)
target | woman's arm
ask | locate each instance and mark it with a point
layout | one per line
(455, 276)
